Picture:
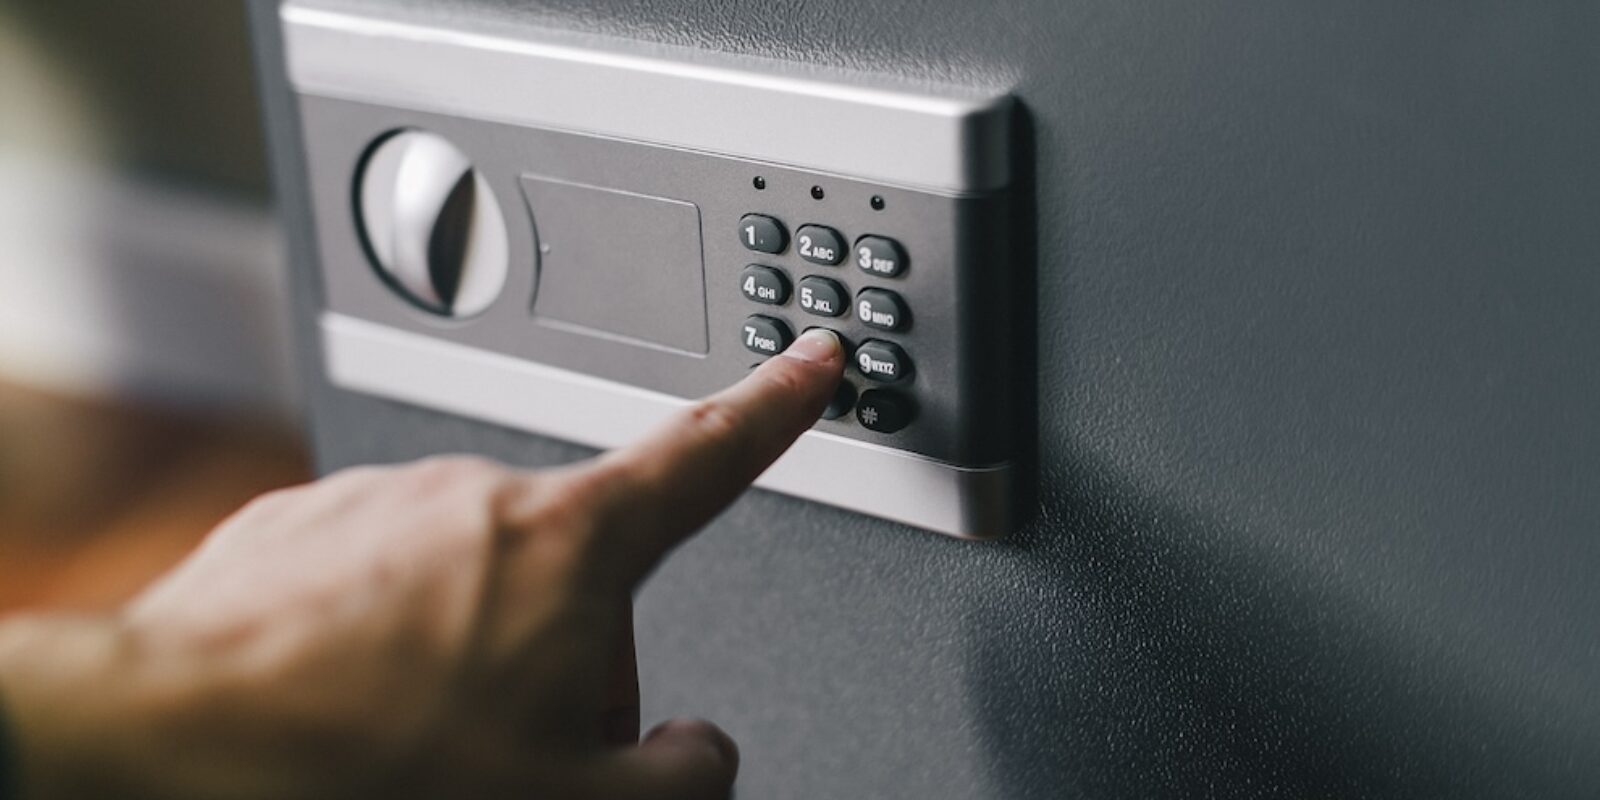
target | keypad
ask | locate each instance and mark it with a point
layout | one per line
(877, 362)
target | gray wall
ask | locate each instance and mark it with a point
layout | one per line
(1318, 366)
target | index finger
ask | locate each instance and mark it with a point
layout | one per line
(656, 492)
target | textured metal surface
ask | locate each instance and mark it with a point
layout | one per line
(762, 109)
(1317, 352)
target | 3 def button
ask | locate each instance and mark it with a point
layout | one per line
(765, 335)
(884, 411)
(880, 255)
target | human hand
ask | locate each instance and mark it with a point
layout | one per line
(451, 628)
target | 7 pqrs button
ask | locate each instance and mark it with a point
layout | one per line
(765, 335)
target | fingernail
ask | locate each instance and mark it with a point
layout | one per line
(699, 733)
(818, 346)
(725, 747)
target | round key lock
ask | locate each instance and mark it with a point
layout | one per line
(431, 224)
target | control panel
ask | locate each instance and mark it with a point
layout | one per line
(878, 311)
(566, 237)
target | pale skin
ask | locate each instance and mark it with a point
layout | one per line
(451, 628)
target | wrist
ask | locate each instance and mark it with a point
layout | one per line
(62, 688)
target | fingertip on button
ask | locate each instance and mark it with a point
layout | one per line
(817, 346)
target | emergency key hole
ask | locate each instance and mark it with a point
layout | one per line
(431, 225)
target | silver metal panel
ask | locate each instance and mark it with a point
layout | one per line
(936, 138)
(426, 371)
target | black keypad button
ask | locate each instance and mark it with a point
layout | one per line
(765, 335)
(884, 411)
(762, 234)
(764, 285)
(880, 255)
(881, 309)
(843, 400)
(819, 244)
(822, 297)
(882, 361)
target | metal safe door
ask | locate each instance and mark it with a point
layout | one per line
(570, 239)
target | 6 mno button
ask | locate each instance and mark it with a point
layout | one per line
(881, 309)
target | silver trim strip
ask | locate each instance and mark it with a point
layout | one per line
(377, 359)
(947, 141)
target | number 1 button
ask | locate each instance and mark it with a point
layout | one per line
(762, 234)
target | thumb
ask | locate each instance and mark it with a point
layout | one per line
(682, 759)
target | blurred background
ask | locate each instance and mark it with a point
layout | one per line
(145, 388)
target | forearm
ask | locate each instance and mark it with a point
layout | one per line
(60, 692)
(9, 790)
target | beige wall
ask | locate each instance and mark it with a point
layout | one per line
(136, 246)
(158, 87)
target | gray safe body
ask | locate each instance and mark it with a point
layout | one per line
(1318, 455)
(621, 180)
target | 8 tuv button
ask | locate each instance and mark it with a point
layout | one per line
(881, 309)
(765, 335)
(880, 255)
